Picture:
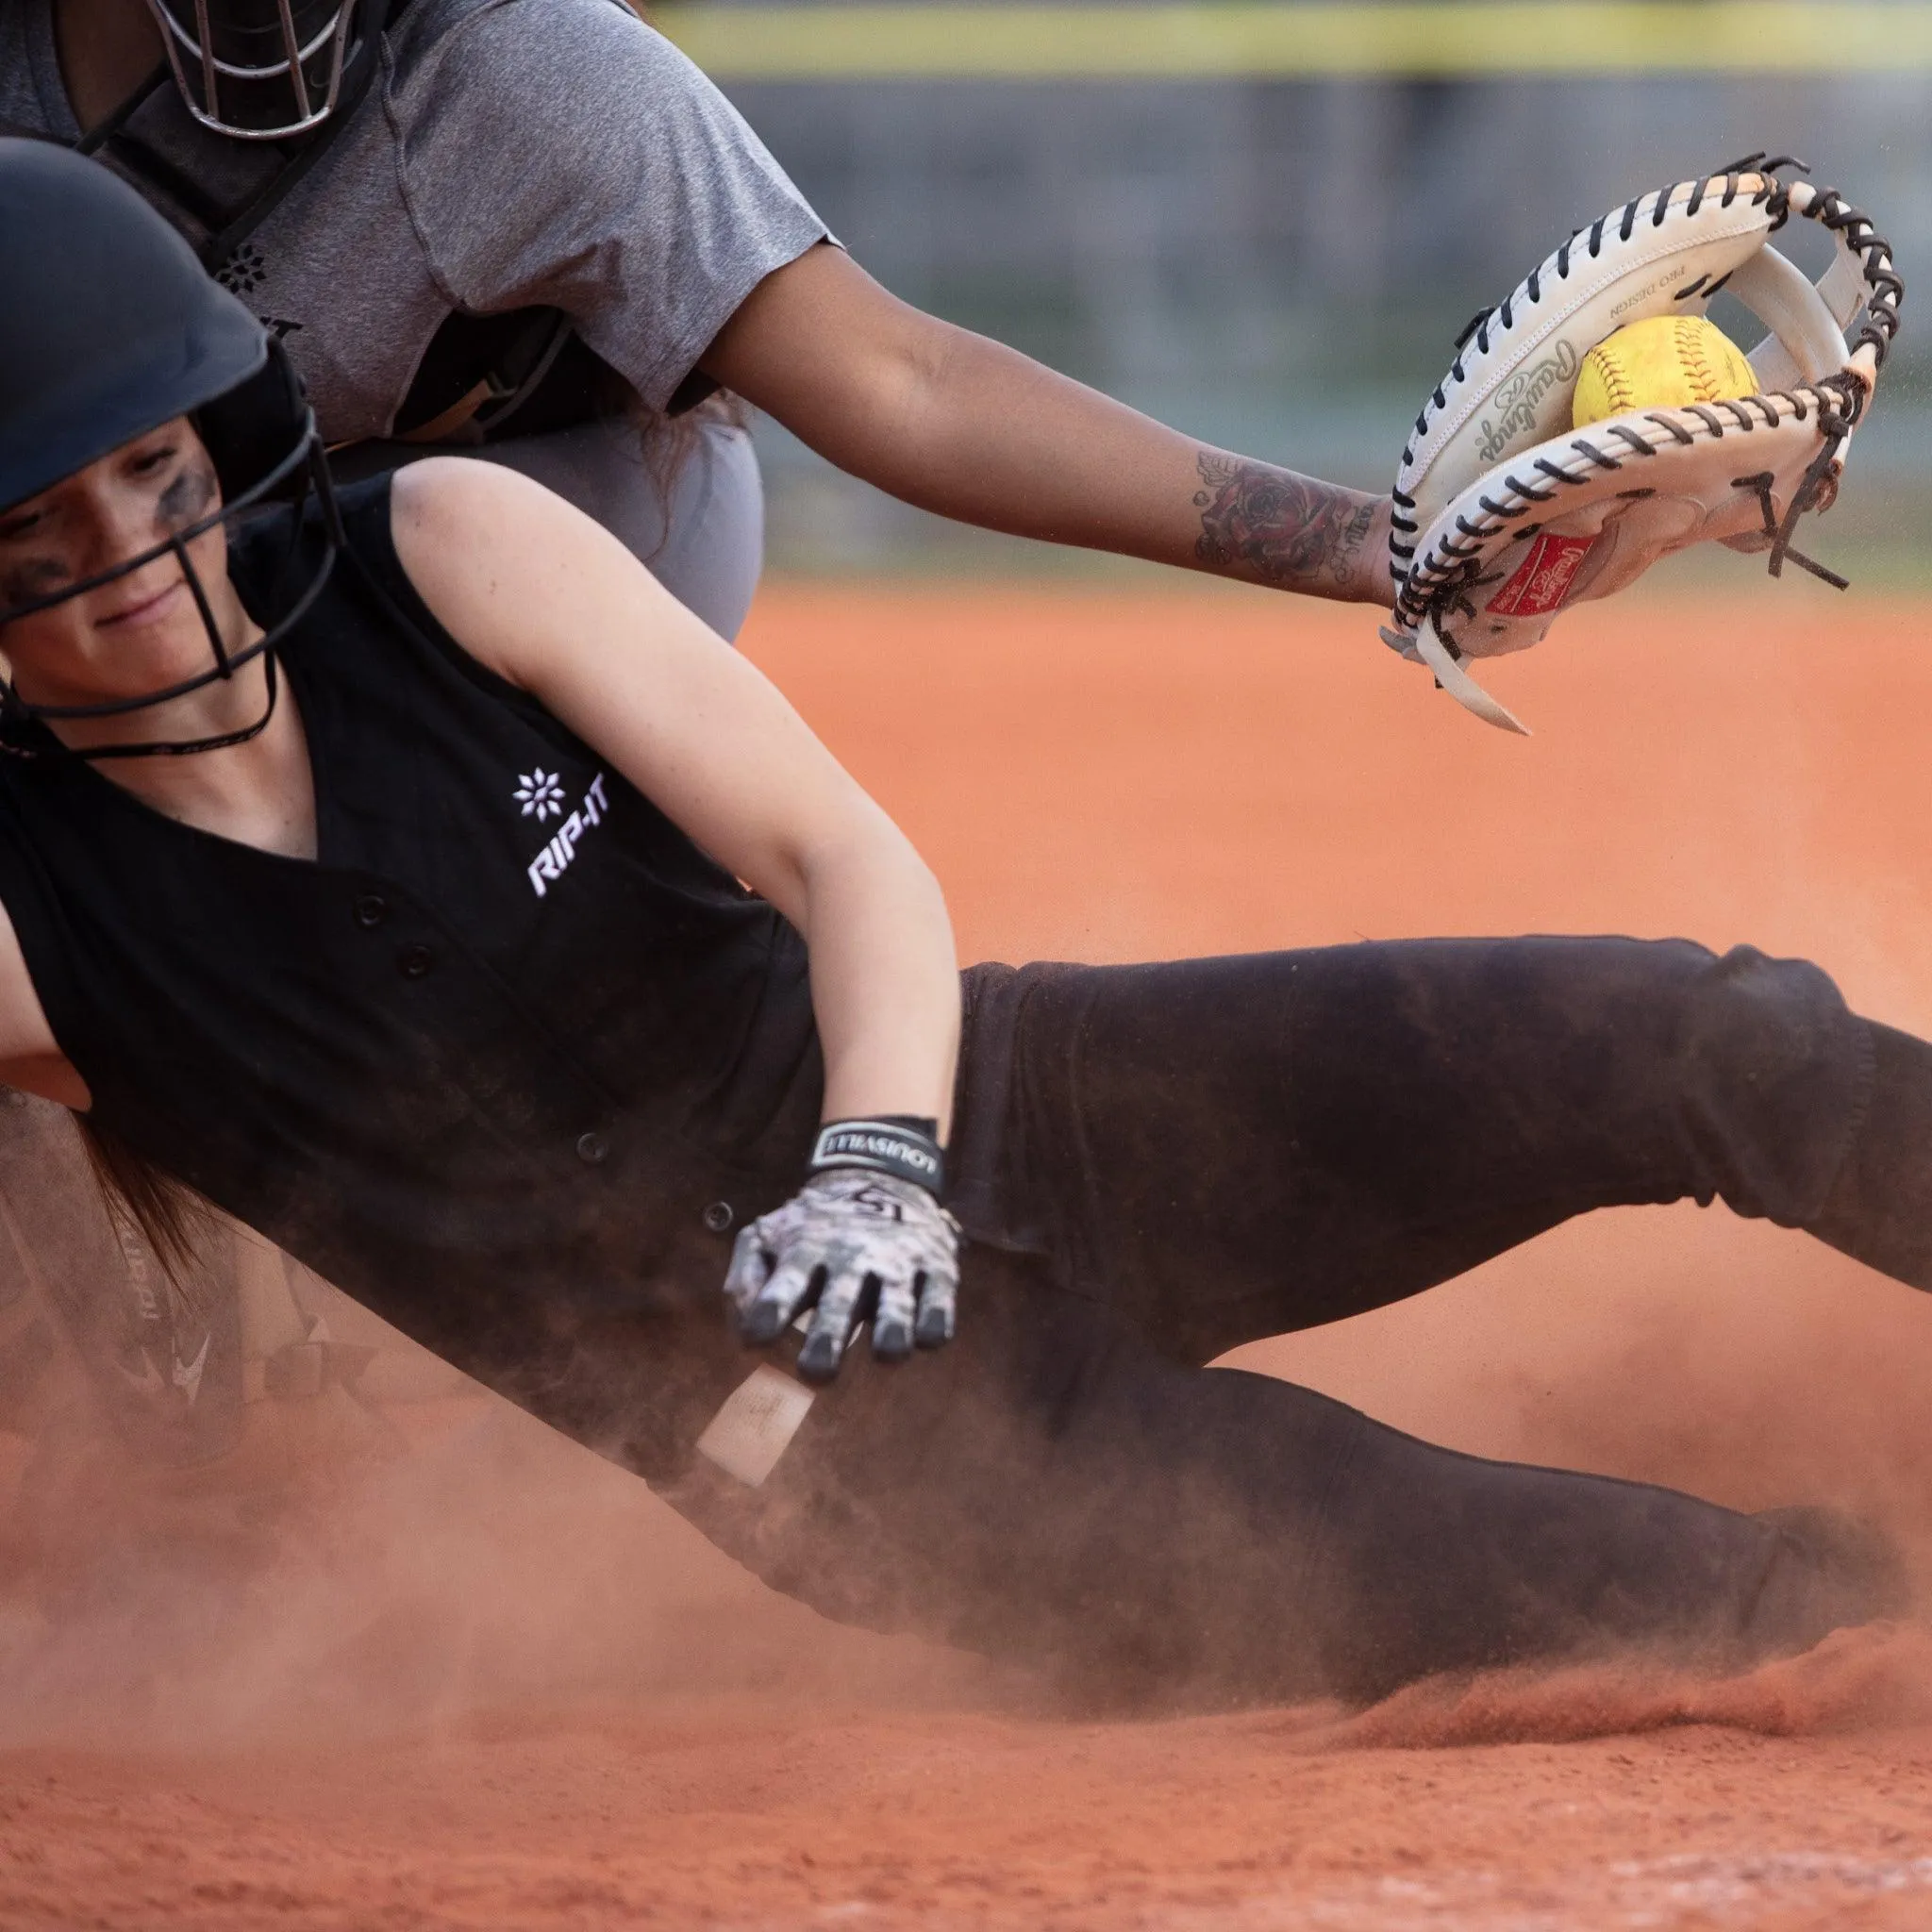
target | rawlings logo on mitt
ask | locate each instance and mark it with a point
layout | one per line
(1504, 516)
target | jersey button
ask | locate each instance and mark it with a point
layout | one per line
(413, 961)
(592, 1148)
(719, 1217)
(371, 909)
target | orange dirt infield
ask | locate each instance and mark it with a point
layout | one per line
(487, 1682)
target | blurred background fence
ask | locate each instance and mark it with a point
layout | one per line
(1267, 223)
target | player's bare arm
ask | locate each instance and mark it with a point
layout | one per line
(569, 615)
(972, 429)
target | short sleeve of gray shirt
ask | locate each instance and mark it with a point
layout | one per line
(516, 153)
(561, 152)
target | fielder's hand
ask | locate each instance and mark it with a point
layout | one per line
(849, 1243)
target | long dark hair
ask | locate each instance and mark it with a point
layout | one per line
(666, 443)
(175, 1221)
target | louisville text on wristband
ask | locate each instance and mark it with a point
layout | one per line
(884, 1146)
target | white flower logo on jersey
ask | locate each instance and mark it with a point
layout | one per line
(541, 794)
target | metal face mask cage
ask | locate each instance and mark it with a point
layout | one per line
(303, 472)
(258, 69)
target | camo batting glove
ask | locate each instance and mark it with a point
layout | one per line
(847, 1243)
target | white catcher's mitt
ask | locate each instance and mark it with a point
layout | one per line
(1504, 516)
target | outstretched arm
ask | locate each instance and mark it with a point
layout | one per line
(971, 429)
(547, 599)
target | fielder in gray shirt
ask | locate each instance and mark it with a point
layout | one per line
(471, 160)
(510, 157)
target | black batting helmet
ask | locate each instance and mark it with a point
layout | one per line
(108, 329)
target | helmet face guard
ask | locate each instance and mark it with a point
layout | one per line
(258, 69)
(268, 408)
(109, 328)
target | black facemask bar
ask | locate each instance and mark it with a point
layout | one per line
(250, 98)
(23, 725)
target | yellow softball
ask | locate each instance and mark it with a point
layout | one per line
(1660, 364)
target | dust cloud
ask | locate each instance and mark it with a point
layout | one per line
(1872, 1678)
(346, 1573)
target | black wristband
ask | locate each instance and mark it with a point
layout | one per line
(900, 1144)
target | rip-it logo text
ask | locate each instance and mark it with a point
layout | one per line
(550, 863)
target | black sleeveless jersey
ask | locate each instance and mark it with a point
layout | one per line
(494, 1059)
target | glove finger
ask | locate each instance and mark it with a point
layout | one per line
(750, 1266)
(832, 1322)
(891, 1322)
(793, 1285)
(938, 1305)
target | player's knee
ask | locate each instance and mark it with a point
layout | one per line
(1774, 1073)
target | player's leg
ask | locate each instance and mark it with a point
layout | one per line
(1879, 1208)
(1236, 1147)
(1221, 1148)
(1051, 1492)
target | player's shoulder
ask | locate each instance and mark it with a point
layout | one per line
(501, 43)
(461, 529)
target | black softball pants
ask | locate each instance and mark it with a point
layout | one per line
(1158, 1162)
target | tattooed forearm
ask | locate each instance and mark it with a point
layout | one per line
(1281, 528)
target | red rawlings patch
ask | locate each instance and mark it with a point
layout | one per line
(1543, 578)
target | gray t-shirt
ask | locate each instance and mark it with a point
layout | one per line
(512, 152)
